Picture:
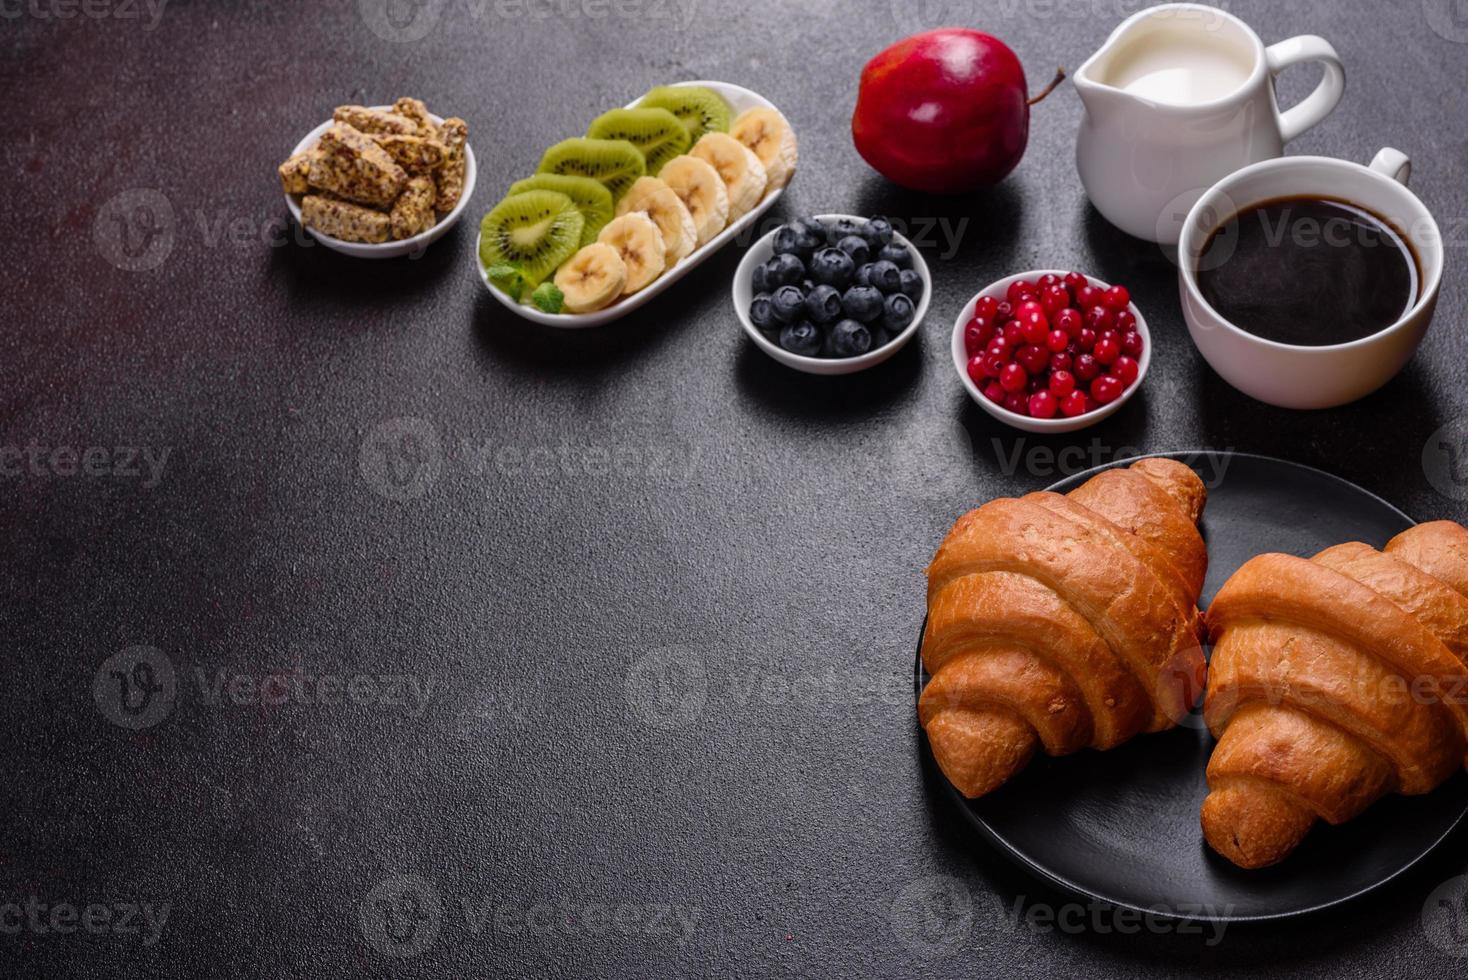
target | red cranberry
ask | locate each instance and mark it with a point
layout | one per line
(1107, 351)
(1106, 389)
(1017, 403)
(976, 370)
(1014, 332)
(1055, 299)
(1116, 298)
(1131, 344)
(1017, 290)
(1062, 383)
(994, 391)
(1048, 280)
(1075, 282)
(1043, 405)
(1086, 367)
(1034, 326)
(1056, 340)
(1108, 335)
(976, 336)
(1033, 359)
(1087, 297)
(1099, 318)
(1070, 320)
(1126, 320)
(1025, 306)
(1004, 312)
(1013, 377)
(1086, 339)
(994, 363)
(1125, 370)
(1061, 361)
(986, 306)
(1074, 404)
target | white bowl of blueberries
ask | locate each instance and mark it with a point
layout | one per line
(833, 293)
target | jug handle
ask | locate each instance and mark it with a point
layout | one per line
(1319, 103)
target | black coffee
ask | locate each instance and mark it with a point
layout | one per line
(1308, 271)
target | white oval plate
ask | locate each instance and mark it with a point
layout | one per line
(387, 250)
(1026, 422)
(739, 100)
(761, 251)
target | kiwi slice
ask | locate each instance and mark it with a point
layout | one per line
(658, 133)
(698, 108)
(615, 163)
(533, 232)
(592, 199)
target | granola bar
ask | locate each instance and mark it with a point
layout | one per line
(293, 173)
(414, 211)
(368, 120)
(350, 165)
(344, 220)
(454, 133)
(415, 110)
(415, 154)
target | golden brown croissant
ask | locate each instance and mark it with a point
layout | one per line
(1334, 681)
(1061, 622)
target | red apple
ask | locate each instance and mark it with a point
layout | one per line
(945, 111)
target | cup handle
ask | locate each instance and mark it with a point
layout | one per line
(1394, 164)
(1319, 103)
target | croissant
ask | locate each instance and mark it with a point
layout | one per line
(1334, 681)
(1061, 622)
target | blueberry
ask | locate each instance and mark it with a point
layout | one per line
(832, 267)
(760, 279)
(863, 303)
(788, 303)
(880, 338)
(811, 234)
(912, 284)
(850, 339)
(897, 312)
(898, 255)
(823, 304)
(886, 276)
(786, 240)
(806, 285)
(841, 227)
(783, 270)
(762, 311)
(798, 239)
(863, 275)
(801, 338)
(877, 231)
(856, 247)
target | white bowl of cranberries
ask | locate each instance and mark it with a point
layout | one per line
(1050, 350)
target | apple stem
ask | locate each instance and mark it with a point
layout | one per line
(1059, 77)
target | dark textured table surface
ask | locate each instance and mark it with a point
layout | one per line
(612, 675)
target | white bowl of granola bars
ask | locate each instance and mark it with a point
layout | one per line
(379, 182)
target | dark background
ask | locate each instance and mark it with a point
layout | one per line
(611, 720)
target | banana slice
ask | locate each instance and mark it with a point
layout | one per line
(702, 191)
(767, 133)
(743, 175)
(592, 278)
(656, 200)
(640, 244)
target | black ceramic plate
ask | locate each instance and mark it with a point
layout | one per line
(1121, 827)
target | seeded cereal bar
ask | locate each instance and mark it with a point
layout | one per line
(344, 220)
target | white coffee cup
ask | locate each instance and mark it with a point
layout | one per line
(1293, 376)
